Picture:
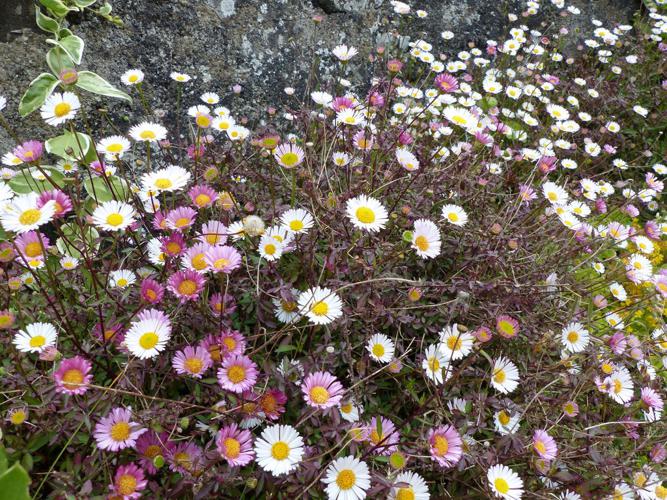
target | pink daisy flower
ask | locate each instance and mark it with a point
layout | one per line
(62, 202)
(383, 435)
(341, 103)
(544, 445)
(150, 445)
(272, 403)
(226, 343)
(29, 151)
(193, 361)
(186, 458)
(527, 193)
(445, 445)
(29, 246)
(651, 402)
(128, 482)
(213, 232)
(73, 375)
(446, 82)
(322, 390)
(222, 305)
(223, 259)
(237, 374)
(160, 221)
(7, 319)
(202, 196)
(151, 291)
(186, 285)
(116, 431)
(483, 334)
(173, 245)
(571, 409)
(111, 332)
(507, 326)
(235, 445)
(181, 218)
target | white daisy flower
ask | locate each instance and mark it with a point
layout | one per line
(113, 215)
(344, 53)
(146, 338)
(366, 213)
(554, 193)
(21, 214)
(455, 344)
(381, 348)
(287, 311)
(454, 215)
(122, 278)
(505, 422)
(279, 449)
(426, 239)
(504, 482)
(433, 364)
(180, 77)
(210, 98)
(172, 178)
(618, 291)
(349, 411)
(574, 337)
(35, 337)
(132, 77)
(407, 160)
(619, 385)
(347, 478)
(297, 220)
(148, 132)
(270, 248)
(113, 147)
(409, 485)
(320, 305)
(58, 108)
(505, 375)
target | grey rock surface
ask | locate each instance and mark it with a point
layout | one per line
(263, 45)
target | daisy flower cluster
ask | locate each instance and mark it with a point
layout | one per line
(447, 281)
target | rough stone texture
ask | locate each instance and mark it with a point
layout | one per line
(265, 45)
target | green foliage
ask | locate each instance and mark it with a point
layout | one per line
(14, 480)
(106, 189)
(69, 146)
(24, 182)
(38, 91)
(97, 85)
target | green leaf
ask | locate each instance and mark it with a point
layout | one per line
(101, 189)
(64, 33)
(78, 144)
(73, 45)
(105, 10)
(4, 463)
(14, 484)
(84, 3)
(46, 23)
(57, 7)
(58, 60)
(97, 85)
(73, 240)
(24, 182)
(285, 348)
(38, 90)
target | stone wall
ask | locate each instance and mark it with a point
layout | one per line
(264, 45)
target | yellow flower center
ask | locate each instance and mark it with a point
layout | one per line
(540, 447)
(236, 374)
(501, 485)
(506, 327)
(187, 287)
(441, 445)
(152, 451)
(660, 491)
(120, 431)
(183, 459)
(319, 395)
(33, 249)
(365, 215)
(320, 308)
(72, 379)
(572, 337)
(127, 483)
(499, 376)
(122, 282)
(454, 343)
(203, 121)
(289, 159)
(194, 365)
(148, 340)
(133, 78)
(30, 216)
(296, 225)
(269, 249)
(18, 417)
(618, 387)
(346, 479)
(202, 200)
(221, 263)
(422, 243)
(433, 364)
(288, 306)
(37, 341)
(346, 408)
(279, 450)
(198, 262)
(453, 216)
(163, 183)
(115, 148)
(115, 220)
(147, 134)
(61, 109)
(232, 448)
(229, 343)
(503, 417)
(182, 222)
(405, 493)
(173, 247)
(378, 350)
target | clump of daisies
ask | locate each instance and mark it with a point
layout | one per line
(454, 270)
